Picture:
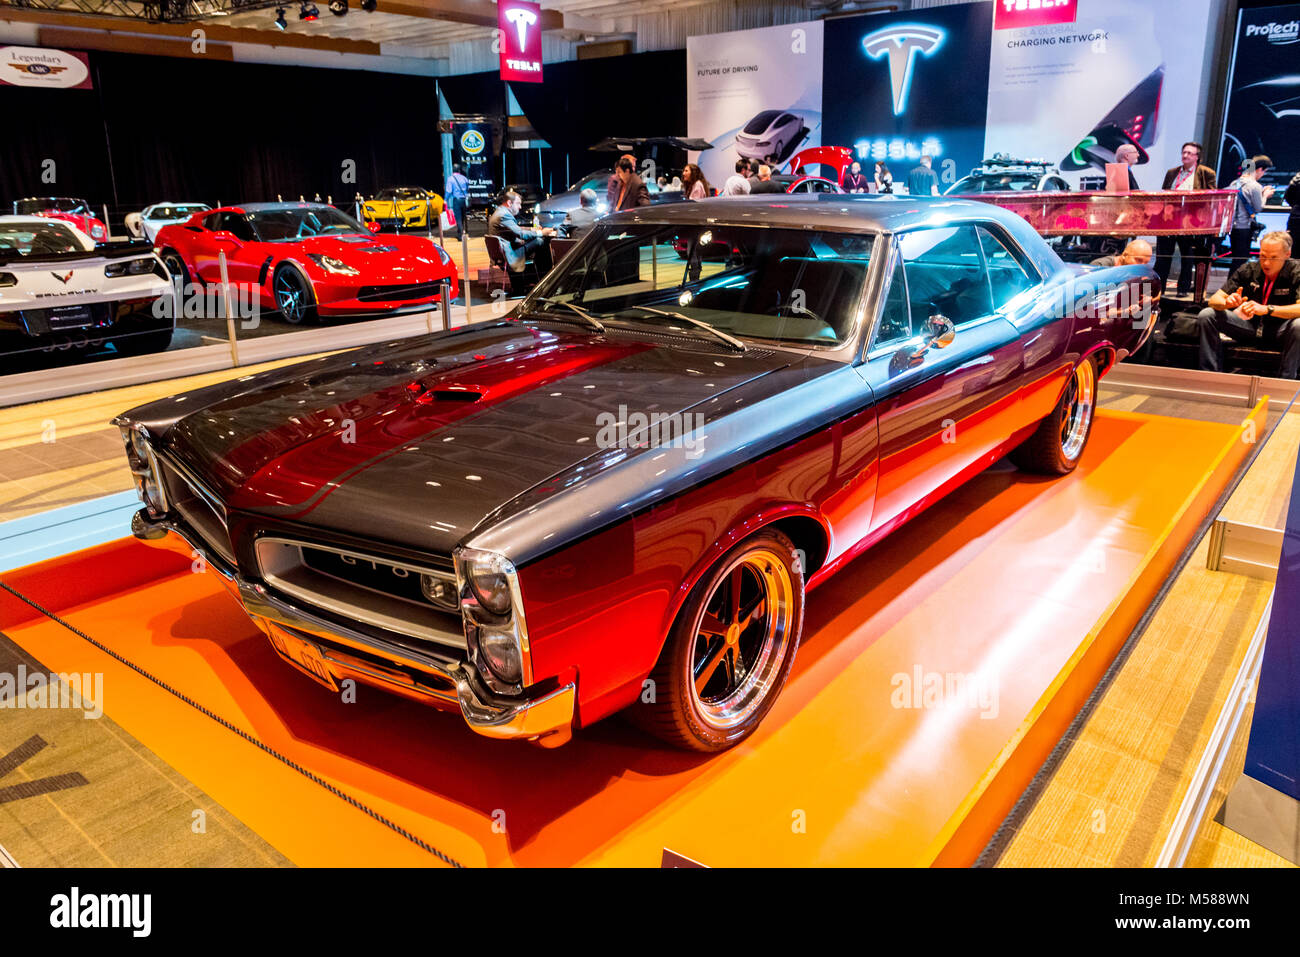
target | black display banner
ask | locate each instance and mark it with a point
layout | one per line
(472, 148)
(1263, 114)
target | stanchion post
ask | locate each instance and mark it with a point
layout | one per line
(464, 255)
(230, 315)
(446, 306)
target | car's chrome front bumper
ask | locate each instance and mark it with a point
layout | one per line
(331, 653)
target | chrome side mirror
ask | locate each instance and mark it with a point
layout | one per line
(939, 333)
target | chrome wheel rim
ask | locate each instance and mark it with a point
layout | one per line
(1079, 399)
(175, 266)
(742, 638)
(290, 296)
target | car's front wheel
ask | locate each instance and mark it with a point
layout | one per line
(294, 298)
(730, 650)
(1057, 445)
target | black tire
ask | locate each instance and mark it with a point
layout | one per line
(176, 266)
(759, 586)
(143, 343)
(1058, 443)
(295, 300)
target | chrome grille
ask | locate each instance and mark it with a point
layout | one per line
(381, 592)
(198, 506)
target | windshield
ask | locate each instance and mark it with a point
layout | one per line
(175, 212)
(785, 285)
(63, 204)
(300, 222)
(28, 239)
(995, 183)
(400, 194)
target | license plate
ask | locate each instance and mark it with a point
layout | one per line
(69, 317)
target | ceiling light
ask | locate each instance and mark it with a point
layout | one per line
(308, 11)
(279, 18)
(339, 7)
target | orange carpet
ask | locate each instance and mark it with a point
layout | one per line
(936, 673)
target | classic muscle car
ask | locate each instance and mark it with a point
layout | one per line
(306, 260)
(617, 496)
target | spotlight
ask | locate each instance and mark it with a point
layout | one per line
(308, 11)
(339, 7)
(279, 18)
(368, 6)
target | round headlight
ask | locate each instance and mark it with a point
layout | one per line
(152, 495)
(501, 651)
(490, 584)
(139, 447)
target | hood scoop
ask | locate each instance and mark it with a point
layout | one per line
(424, 395)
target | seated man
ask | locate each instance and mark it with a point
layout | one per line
(1257, 305)
(1136, 253)
(518, 242)
(579, 220)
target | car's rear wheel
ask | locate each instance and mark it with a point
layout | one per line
(294, 299)
(1057, 445)
(730, 650)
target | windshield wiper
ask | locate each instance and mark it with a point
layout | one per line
(697, 323)
(578, 311)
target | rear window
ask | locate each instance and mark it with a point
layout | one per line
(29, 239)
(760, 123)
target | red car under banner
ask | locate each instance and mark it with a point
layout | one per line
(520, 25)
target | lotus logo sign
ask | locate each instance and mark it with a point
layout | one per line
(520, 25)
(472, 142)
(901, 44)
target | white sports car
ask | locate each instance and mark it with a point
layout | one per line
(770, 133)
(159, 215)
(59, 290)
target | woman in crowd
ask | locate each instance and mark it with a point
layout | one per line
(694, 185)
(884, 179)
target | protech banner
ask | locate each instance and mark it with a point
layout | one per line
(754, 93)
(1118, 72)
(52, 69)
(1263, 114)
(901, 85)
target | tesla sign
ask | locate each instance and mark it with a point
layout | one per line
(1009, 14)
(519, 28)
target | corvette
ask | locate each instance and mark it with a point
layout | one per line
(59, 290)
(403, 206)
(488, 541)
(306, 260)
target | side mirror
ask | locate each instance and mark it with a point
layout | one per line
(939, 334)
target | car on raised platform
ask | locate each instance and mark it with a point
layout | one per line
(60, 290)
(307, 260)
(617, 496)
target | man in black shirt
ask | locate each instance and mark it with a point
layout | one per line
(1136, 253)
(765, 183)
(1258, 305)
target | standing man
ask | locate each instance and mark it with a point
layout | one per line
(1191, 175)
(765, 183)
(922, 181)
(615, 184)
(1257, 304)
(1129, 156)
(631, 190)
(1251, 198)
(737, 183)
(457, 192)
(854, 181)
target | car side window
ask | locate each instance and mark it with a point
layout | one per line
(895, 325)
(236, 225)
(210, 221)
(945, 274)
(1008, 277)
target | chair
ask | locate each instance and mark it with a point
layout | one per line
(497, 257)
(561, 248)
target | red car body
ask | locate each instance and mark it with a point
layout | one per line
(74, 211)
(349, 269)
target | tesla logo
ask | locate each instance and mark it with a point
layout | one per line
(902, 44)
(63, 279)
(522, 18)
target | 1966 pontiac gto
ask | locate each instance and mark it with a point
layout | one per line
(618, 495)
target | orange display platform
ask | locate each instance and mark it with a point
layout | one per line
(936, 674)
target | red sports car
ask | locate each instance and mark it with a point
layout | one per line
(70, 210)
(307, 259)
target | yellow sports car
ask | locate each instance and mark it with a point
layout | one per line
(403, 206)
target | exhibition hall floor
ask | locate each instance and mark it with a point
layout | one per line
(1023, 587)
